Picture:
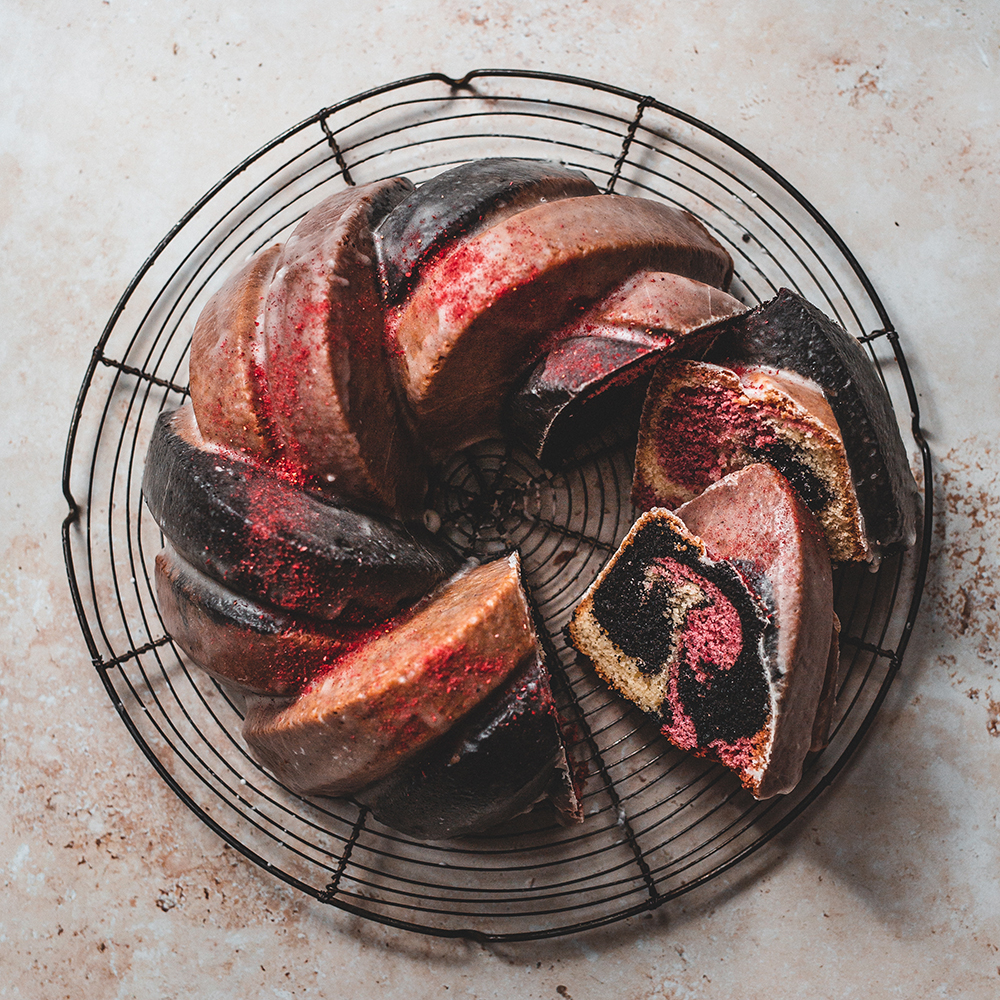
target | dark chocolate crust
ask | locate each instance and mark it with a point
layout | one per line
(496, 763)
(266, 538)
(791, 334)
(460, 202)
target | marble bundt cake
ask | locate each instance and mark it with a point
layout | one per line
(396, 325)
(702, 421)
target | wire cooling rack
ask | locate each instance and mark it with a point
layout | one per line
(657, 822)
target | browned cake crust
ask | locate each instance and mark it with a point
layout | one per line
(249, 645)
(828, 697)
(228, 392)
(335, 414)
(460, 202)
(264, 538)
(660, 306)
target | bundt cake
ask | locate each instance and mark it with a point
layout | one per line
(332, 374)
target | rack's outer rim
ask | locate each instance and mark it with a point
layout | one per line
(464, 83)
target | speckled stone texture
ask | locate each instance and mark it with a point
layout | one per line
(116, 116)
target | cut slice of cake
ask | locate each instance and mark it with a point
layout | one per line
(791, 335)
(725, 635)
(480, 313)
(755, 520)
(394, 696)
(598, 366)
(458, 204)
(702, 421)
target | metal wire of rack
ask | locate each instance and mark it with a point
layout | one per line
(658, 822)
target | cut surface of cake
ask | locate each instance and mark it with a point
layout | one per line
(789, 334)
(702, 421)
(682, 636)
(717, 620)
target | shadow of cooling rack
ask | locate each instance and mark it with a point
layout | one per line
(657, 821)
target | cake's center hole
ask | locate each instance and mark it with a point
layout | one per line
(493, 498)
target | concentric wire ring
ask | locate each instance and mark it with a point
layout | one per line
(658, 822)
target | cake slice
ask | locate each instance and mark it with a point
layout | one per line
(332, 406)
(394, 696)
(788, 334)
(702, 421)
(755, 520)
(264, 538)
(719, 625)
(599, 365)
(459, 203)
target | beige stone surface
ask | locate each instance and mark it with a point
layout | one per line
(116, 116)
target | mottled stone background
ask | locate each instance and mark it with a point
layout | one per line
(115, 116)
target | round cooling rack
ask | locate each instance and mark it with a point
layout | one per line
(657, 822)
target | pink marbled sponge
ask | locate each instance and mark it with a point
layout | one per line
(718, 620)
